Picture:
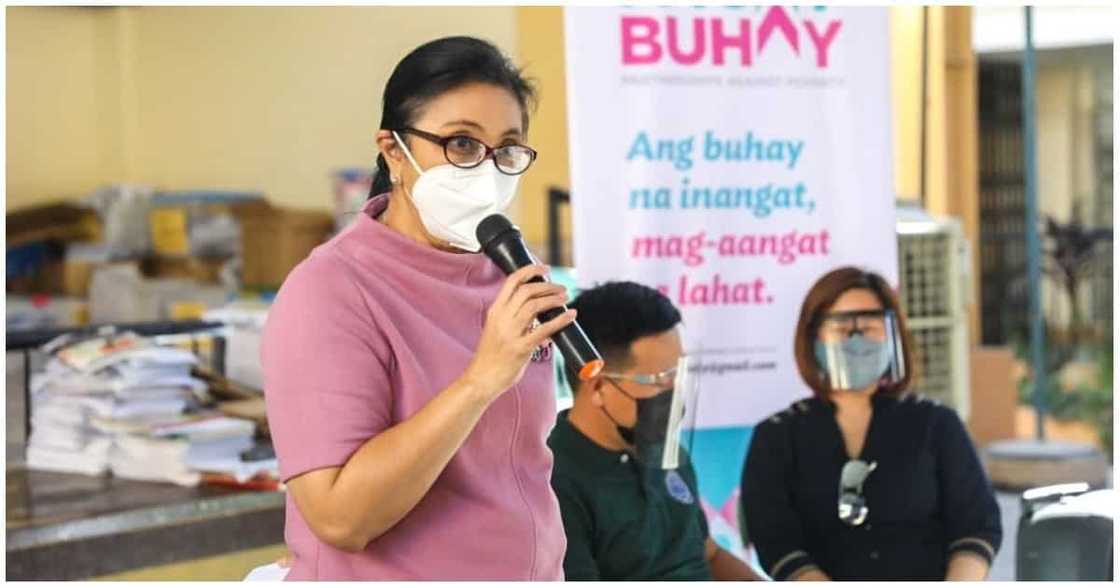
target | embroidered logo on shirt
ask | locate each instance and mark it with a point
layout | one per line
(677, 488)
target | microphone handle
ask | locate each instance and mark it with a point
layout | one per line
(551, 313)
(510, 254)
(572, 341)
(512, 258)
(577, 350)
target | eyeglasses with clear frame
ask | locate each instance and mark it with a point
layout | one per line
(662, 380)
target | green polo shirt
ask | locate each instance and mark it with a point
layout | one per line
(625, 521)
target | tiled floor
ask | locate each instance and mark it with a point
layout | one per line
(228, 567)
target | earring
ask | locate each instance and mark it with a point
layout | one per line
(394, 180)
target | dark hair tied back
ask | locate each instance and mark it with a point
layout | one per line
(437, 67)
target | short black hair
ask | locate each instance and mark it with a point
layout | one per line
(440, 66)
(616, 314)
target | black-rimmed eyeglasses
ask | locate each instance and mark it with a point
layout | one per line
(466, 152)
(872, 324)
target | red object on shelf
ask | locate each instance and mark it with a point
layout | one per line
(265, 484)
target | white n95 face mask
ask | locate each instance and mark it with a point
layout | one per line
(452, 200)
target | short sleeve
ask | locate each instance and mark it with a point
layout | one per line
(579, 559)
(703, 520)
(327, 385)
(689, 472)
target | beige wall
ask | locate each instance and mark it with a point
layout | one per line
(1055, 170)
(1067, 171)
(961, 142)
(60, 139)
(1065, 107)
(275, 98)
(906, 98)
(951, 121)
(256, 98)
(541, 51)
(1055, 145)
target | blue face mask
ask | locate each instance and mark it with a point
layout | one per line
(853, 363)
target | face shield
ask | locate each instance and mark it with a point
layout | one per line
(655, 438)
(860, 349)
(682, 428)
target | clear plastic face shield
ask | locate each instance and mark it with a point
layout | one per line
(655, 437)
(859, 349)
(683, 416)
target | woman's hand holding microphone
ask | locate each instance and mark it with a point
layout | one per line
(508, 338)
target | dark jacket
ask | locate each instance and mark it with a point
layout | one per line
(928, 496)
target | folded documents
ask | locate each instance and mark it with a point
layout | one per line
(179, 460)
(92, 460)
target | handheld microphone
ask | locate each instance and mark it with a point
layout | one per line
(502, 243)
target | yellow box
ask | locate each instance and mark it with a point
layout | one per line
(187, 311)
(81, 314)
(169, 231)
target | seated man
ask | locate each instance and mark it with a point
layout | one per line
(624, 516)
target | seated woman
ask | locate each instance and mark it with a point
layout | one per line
(866, 480)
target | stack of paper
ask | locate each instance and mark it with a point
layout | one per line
(179, 451)
(125, 405)
(90, 390)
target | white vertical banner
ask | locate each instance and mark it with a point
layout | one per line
(730, 157)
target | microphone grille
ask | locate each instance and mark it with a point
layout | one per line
(491, 227)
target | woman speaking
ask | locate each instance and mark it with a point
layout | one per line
(409, 394)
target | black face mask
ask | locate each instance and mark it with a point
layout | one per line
(647, 436)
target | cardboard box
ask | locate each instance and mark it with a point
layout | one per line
(170, 233)
(274, 240)
(53, 222)
(76, 277)
(245, 321)
(120, 293)
(65, 278)
(197, 222)
(65, 274)
(205, 270)
(54, 257)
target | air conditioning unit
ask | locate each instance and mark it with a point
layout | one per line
(934, 269)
